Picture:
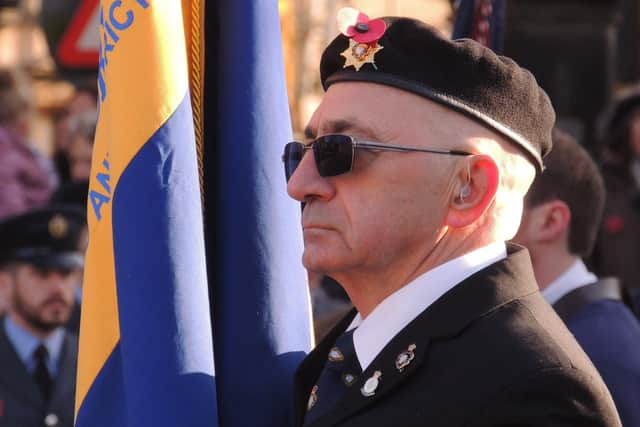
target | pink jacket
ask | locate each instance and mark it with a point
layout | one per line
(24, 182)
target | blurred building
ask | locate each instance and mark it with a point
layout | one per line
(583, 52)
(309, 25)
(24, 48)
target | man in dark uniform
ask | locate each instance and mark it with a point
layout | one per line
(618, 244)
(41, 262)
(412, 177)
(559, 227)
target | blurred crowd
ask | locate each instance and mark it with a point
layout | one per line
(30, 179)
(43, 236)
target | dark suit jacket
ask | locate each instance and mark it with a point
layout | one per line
(21, 402)
(610, 335)
(490, 352)
(73, 324)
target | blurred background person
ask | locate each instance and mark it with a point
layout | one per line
(619, 238)
(5, 297)
(559, 227)
(74, 194)
(27, 178)
(73, 122)
(40, 261)
(82, 127)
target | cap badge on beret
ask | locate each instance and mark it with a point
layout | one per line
(363, 35)
(58, 227)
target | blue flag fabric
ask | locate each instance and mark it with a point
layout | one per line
(146, 353)
(481, 20)
(253, 231)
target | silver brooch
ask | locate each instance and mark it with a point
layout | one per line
(404, 359)
(313, 398)
(335, 355)
(371, 385)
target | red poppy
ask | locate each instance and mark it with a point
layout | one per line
(613, 224)
(357, 26)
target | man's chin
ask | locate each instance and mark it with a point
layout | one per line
(320, 263)
(52, 321)
(47, 326)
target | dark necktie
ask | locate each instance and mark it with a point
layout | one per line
(340, 372)
(41, 374)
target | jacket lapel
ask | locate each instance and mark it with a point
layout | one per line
(475, 297)
(14, 375)
(64, 385)
(309, 370)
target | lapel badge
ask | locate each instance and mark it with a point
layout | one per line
(335, 355)
(363, 35)
(371, 385)
(405, 358)
(349, 379)
(58, 227)
(313, 398)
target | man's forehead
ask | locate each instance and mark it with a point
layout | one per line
(371, 109)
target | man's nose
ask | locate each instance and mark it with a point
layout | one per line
(57, 280)
(306, 183)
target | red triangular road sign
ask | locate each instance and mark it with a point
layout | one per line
(80, 44)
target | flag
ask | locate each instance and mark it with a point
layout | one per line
(146, 353)
(253, 229)
(481, 20)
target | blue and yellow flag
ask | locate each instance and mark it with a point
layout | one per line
(146, 352)
(253, 229)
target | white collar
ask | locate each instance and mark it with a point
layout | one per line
(574, 277)
(400, 308)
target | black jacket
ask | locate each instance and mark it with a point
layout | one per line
(20, 399)
(490, 352)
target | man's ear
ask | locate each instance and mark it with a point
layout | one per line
(552, 222)
(6, 290)
(475, 192)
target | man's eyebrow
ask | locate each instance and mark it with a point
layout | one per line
(309, 133)
(338, 126)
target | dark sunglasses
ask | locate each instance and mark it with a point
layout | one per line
(334, 154)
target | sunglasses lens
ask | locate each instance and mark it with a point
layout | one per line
(292, 157)
(333, 154)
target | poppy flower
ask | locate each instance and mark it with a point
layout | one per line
(358, 27)
(613, 224)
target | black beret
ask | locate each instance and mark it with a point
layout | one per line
(47, 238)
(461, 74)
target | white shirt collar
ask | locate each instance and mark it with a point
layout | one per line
(574, 277)
(400, 308)
(25, 344)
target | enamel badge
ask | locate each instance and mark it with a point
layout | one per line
(371, 385)
(363, 35)
(405, 358)
(335, 355)
(313, 398)
(348, 379)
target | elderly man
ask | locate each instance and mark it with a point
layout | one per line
(561, 217)
(41, 261)
(421, 153)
